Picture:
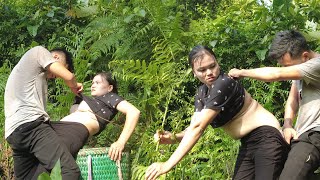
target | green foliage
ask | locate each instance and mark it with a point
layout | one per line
(145, 44)
(34, 23)
(55, 173)
(138, 172)
(4, 74)
(154, 89)
(271, 95)
(5, 155)
(213, 156)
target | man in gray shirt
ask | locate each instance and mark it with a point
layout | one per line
(36, 147)
(301, 65)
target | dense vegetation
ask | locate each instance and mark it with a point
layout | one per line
(145, 44)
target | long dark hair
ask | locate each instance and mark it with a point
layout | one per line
(198, 52)
(110, 79)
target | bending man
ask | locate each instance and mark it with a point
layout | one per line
(301, 65)
(36, 146)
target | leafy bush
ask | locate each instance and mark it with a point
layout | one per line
(145, 44)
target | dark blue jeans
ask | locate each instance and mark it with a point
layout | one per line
(303, 158)
(262, 155)
(36, 149)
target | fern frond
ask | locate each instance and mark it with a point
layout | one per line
(138, 172)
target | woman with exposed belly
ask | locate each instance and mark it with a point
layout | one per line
(222, 102)
(92, 114)
(251, 116)
(86, 118)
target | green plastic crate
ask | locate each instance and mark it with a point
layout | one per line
(102, 167)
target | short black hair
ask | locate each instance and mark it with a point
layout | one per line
(289, 41)
(69, 58)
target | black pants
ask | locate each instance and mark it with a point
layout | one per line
(36, 149)
(74, 135)
(303, 158)
(262, 155)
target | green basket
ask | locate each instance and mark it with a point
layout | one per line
(102, 167)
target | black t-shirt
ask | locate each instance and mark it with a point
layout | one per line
(104, 107)
(225, 94)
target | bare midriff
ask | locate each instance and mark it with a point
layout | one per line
(251, 116)
(84, 116)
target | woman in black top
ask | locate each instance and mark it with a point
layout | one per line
(222, 102)
(92, 115)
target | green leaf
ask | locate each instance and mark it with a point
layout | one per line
(44, 176)
(128, 18)
(50, 14)
(278, 4)
(86, 11)
(34, 43)
(142, 13)
(261, 54)
(33, 30)
(213, 43)
(315, 35)
(36, 15)
(56, 171)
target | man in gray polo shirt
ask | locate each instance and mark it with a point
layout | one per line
(36, 147)
(301, 65)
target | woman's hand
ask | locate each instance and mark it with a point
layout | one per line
(164, 137)
(115, 151)
(155, 170)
